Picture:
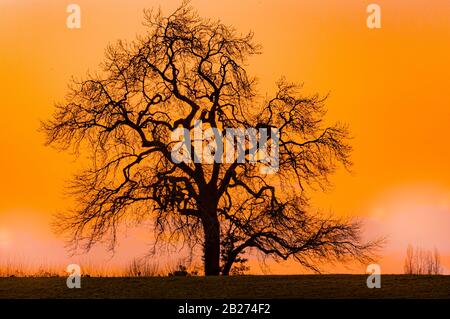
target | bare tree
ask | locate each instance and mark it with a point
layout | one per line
(409, 260)
(428, 261)
(436, 260)
(185, 69)
(422, 262)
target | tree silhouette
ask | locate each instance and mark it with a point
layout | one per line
(186, 69)
(422, 262)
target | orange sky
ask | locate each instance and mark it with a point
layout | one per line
(390, 85)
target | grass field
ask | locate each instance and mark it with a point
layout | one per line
(302, 286)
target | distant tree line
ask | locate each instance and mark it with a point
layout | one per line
(422, 262)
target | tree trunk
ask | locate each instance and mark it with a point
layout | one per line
(227, 267)
(211, 229)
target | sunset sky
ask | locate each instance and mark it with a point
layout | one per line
(390, 85)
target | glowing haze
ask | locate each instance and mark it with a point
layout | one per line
(390, 85)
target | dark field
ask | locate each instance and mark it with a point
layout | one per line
(302, 286)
